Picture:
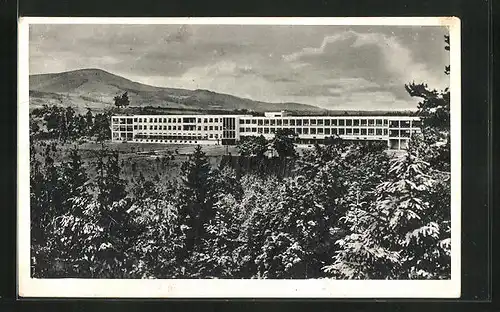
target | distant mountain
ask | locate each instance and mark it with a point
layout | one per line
(96, 88)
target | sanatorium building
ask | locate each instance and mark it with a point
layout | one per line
(229, 129)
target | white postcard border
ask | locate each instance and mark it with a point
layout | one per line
(320, 288)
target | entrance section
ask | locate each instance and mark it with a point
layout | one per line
(228, 131)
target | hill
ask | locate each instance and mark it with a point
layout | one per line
(96, 88)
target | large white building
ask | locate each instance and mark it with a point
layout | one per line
(229, 129)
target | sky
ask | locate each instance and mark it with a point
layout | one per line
(334, 67)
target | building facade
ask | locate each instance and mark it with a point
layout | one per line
(229, 129)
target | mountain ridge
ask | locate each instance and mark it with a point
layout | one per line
(95, 88)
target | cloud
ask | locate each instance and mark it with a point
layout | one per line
(337, 67)
(372, 56)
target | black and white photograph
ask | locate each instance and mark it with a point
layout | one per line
(239, 157)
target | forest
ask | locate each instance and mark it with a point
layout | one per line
(342, 210)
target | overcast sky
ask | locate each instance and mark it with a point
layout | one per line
(335, 67)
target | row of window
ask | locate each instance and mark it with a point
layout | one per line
(278, 122)
(331, 122)
(166, 120)
(335, 131)
(325, 131)
(176, 136)
(165, 127)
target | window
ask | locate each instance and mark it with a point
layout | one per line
(140, 127)
(334, 122)
(285, 122)
(273, 130)
(394, 124)
(217, 120)
(379, 131)
(298, 130)
(327, 131)
(279, 122)
(174, 120)
(385, 122)
(371, 131)
(199, 128)
(140, 119)
(320, 130)
(211, 128)
(313, 121)
(371, 122)
(305, 122)
(292, 122)
(385, 131)
(169, 127)
(341, 122)
(259, 130)
(363, 122)
(242, 130)
(205, 120)
(378, 122)
(210, 120)
(299, 122)
(260, 122)
(355, 122)
(205, 128)
(216, 127)
(156, 120)
(254, 129)
(404, 124)
(273, 122)
(348, 122)
(341, 131)
(416, 123)
(313, 130)
(394, 133)
(254, 122)
(242, 122)
(306, 130)
(356, 131)
(135, 119)
(266, 130)
(349, 131)
(247, 121)
(199, 120)
(327, 122)
(334, 131)
(266, 122)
